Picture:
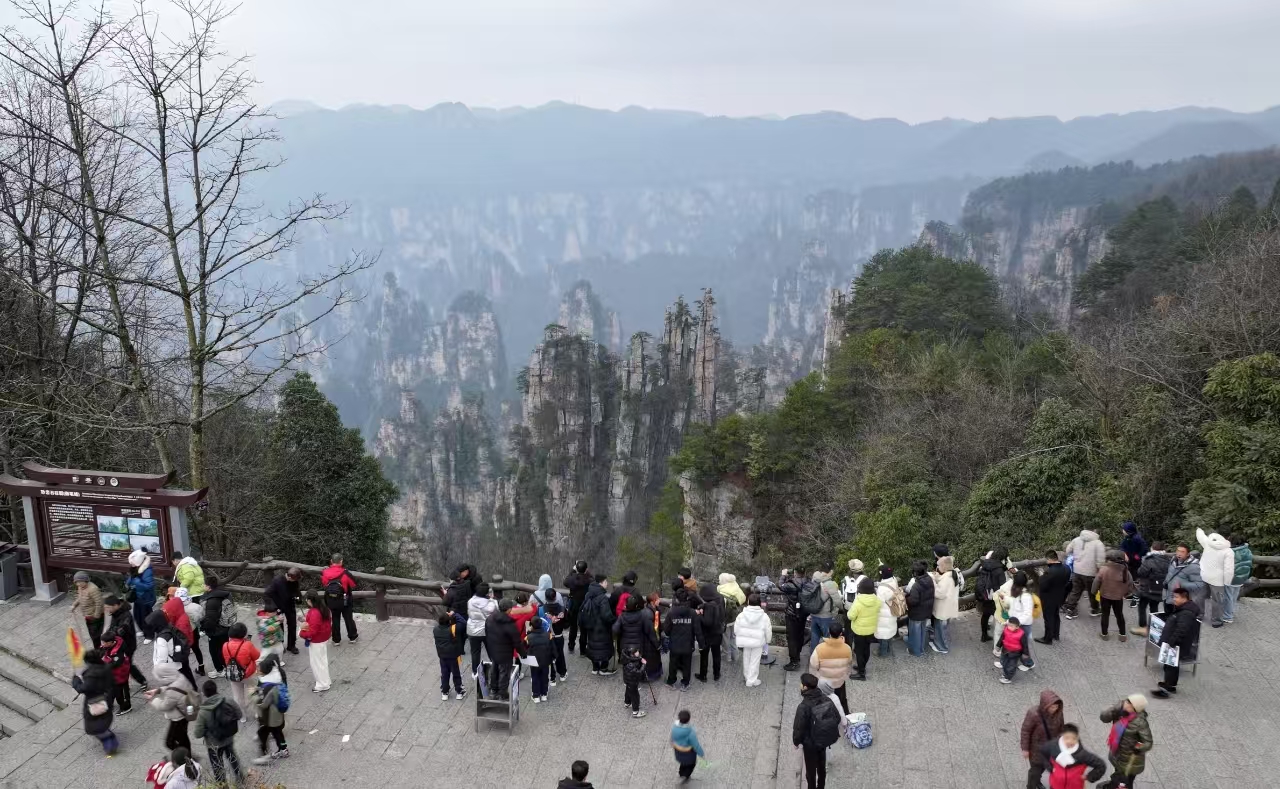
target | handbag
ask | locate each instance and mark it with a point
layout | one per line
(98, 706)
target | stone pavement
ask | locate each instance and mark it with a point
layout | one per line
(938, 721)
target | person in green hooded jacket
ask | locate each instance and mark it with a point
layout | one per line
(1129, 740)
(863, 616)
(1243, 570)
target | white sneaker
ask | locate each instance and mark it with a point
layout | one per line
(444, 696)
(1024, 668)
(1006, 681)
(594, 672)
(146, 641)
(544, 698)
(998, 664)
(553, 683)
(460, 696)
(215, 675)
(262, 760)
(996, 652)
(537, 700)
(639, 714)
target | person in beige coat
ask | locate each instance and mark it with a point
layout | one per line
(887, 624)
(832, 660)
(947, 584)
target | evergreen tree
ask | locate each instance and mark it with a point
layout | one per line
(324, 492)
(916, 290)
(1240, 493)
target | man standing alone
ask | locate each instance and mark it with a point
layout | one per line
(816, 727)
(1054, 582)
(338, 586)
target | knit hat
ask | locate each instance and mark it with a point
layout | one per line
(1138, 702)
(1129, 527)
(81, 576)
(855, 566)
(136, 558)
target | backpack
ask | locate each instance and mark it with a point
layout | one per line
(859, 734)
(731, 610)
(898, 603)
(813, 598)
(235, 671)
(334, 595)
(282, 698)
(824, 724)
(227, 616)
(224, 721)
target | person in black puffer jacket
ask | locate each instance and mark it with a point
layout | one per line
(1150, 576)
(450, 637)
(462, 587)
(502, 642)
(992, 570)
(713, 622)
(635, 627)
(96, 686)
(795, 616)
(684, 630)
(577, 582)
(597, 625)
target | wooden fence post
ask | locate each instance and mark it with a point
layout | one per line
(380, 598)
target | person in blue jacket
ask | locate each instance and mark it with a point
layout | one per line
(1134, 546)
(142, 583)
(684, 741)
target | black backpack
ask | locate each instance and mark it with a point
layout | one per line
(224, 721)
(824, 723)
(334, 595)
(812, 597)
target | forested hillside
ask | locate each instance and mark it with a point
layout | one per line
(946, 416)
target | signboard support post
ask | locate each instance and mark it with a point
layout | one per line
(180, 537)
(46, 590)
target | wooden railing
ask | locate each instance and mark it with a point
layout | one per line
(386, 597)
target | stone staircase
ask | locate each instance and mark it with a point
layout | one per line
(28, 692)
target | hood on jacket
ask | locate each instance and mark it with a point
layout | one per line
(945, 564)
(167, 674)
(544, 583)
(272, 678)
(753, 615)
(187, 560)
(140, 560)
(708, 592)
(1047, 699)
(212, 702)
(731, 588)
(820, 576)
(1088, 536)
(727, 578)
(1117, 557)
(1217, 542)
(501, 618)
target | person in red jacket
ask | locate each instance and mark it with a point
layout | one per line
(316, 627)
(525, 609)
(241, 650)
(176, 613)
(118, 658)
(1068, 761)
(338, 586)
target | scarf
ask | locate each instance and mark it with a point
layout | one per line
(1066, 756)
(1117, 731)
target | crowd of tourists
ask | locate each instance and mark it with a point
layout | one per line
(617, 627)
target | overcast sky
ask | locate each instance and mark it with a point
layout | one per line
(911, 59)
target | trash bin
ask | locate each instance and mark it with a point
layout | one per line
(8, 572)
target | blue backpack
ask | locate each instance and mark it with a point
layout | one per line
(282, 698)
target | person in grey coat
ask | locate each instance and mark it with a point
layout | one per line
(1184, 572)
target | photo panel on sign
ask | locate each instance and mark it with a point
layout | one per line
(112, 523)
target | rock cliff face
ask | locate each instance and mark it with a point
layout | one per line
(589, 453)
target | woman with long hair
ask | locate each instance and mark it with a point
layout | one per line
(316, 632)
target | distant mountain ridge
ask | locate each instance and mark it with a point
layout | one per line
(366, 149)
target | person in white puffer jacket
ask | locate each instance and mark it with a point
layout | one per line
(1087, 554)
(480, 607)
(1217, 567)
(887, 624)
(751, 631)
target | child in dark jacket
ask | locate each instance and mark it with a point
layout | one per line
(555, 611)
(1013, 646)
(540, 647)
(114, 654)
(1068, 761)
(633, 672)
(449, 644)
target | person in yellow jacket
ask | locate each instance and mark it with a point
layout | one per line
(188, 574)
(864, 613)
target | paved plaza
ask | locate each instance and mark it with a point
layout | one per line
(938, 721)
